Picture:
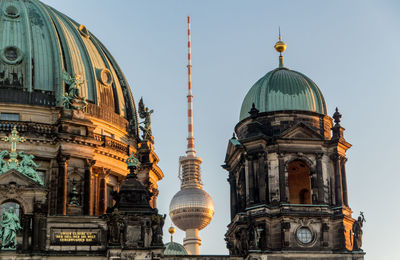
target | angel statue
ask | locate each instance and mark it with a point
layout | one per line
(145, 114)
(3, 164)
(72, 99)
(28, 167)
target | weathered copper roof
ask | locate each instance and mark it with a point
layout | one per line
(172, 248)
(284, 89)
(38, 43)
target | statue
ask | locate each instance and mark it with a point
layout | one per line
(157, 224)
(9, 226)
(72, 99)
(116, 226)
(357, 232)
(74, 195)
(145, 114)
(28, 167)
(3, 164)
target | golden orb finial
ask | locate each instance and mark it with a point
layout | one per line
(280, 46)
(171, 230)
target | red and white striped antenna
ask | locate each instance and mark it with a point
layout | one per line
(190, 146)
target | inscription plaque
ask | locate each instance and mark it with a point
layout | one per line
(75, 237)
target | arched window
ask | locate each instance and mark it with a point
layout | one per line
(299, 183)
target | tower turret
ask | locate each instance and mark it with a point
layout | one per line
(191, 209)
(287, 174)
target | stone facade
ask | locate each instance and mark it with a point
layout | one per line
(82, 158)
(288, 188)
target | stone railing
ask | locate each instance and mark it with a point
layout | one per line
(47, 129)
(109, 142)
(22, 126)
(106, 115)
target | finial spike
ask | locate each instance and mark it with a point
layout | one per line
(280, 38)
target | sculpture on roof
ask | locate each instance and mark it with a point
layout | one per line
(26, 166)
(10, 225)
(357, 232)
(72, 99)
(145, 114)
(3, 163)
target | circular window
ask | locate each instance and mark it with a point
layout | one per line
(84, 31)
(11, 11)
(304, 235)
(11, 55)
(106, 77)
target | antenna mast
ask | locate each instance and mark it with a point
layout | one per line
(190, 146)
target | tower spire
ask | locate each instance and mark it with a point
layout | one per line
(190, 146)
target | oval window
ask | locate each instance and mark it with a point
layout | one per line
(11, 55)
(11, 11)
(304, 235)
(84, 31)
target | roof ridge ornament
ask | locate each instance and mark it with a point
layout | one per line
(280, 47)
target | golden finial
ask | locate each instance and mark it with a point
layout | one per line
(280, 47)
(171, 230)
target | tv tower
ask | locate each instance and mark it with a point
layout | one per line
(191, 209)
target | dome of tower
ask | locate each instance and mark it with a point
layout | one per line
(40, 46)
(173, 248)
(284, 89)
(191, 208)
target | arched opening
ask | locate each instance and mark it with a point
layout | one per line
(11, 204)
(299, 183)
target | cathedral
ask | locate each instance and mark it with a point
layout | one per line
(79, 173)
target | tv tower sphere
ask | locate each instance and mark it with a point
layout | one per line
(191, 208)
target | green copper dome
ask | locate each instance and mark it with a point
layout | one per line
(173, 248)
(39, 45)
(284, 89)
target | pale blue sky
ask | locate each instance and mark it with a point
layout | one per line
(349, 48)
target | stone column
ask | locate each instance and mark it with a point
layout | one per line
(262, 179)
(320, 179)
(282, 179)
(344, 181)
(232, 184)
(95, 193)
(36, 232)
(249, 180)
(62, 185)
(338, 180)
(26, 221)
(88, 190)
(102, 196)
(53, 186)
(103, 191)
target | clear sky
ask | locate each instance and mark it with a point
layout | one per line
(351, 49)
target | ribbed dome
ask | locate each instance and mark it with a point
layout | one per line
(38, 43)
(284, 89)
(173, 248)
